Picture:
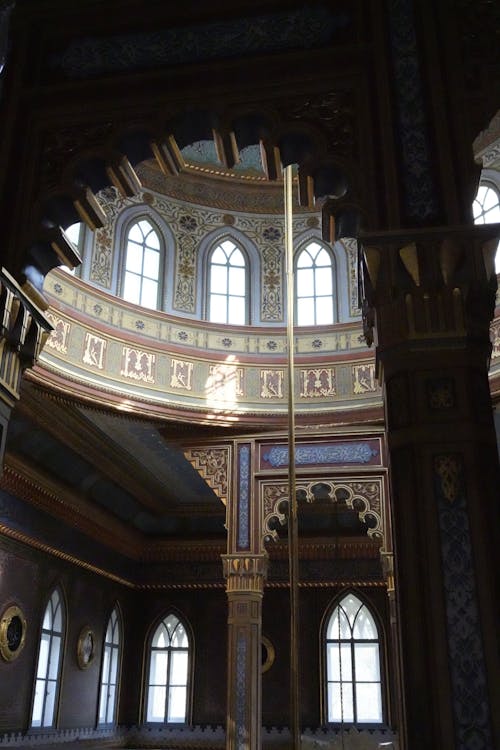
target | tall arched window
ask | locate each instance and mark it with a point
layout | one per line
(353, 674)
(109, 670)
(227, 284)
(49, 663)
(169, 667)
(141, 267)
(314, 285)
(486, 210)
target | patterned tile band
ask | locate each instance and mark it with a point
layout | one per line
(241, 659)
(340, 453)
(467, 665)
(418, 181)
(243, 496)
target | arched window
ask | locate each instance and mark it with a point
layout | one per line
(141, 266)
(169, 667)
(486, 210)
(49, 663)
(353, 674)
(314, 286)
(109, 670)
(227, 284)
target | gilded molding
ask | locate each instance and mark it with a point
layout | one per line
(245, 573)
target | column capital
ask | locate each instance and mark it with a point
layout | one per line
(245, 573)
(426, 284)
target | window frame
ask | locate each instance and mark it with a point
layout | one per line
(51, 632)
(131, 222)
(190, 671)
(329, 615)
(301, 248)
(119, 649)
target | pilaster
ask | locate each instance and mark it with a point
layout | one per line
(429, 300)
(245, 570)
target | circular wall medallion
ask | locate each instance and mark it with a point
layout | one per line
(268, 654)
(85, 651)
(12, 633)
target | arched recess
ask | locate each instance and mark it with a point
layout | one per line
(208, 243)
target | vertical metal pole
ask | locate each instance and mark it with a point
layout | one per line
(293, 552)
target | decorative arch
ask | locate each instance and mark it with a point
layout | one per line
(352, 652)
(49, 661)
(170, 648)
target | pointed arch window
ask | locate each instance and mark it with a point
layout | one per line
(48, 669)
(353, 672)
(314, 286)
(486, 210)
(108, 694)
(141, 267)
(227, 283)
(169, 668)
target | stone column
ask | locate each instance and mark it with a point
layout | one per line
(429, 300)
(23, 332)
(245, 568)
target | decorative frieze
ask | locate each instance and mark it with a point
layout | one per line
(213, 465)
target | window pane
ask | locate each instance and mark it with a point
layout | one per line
(366, 661)
(156, 703)
(102, 705)
(218, 279)
(132, 288)
(159, 639)
(340, 703)
(73, 233)
(305, 282)
(228, 247)
(36, 720)
(490, 199)
(236, 258)
(105, 663)
(135, 234)
(50, 697)
(324, 311)
(178, 668)
(54, 657)
(158, 671)
(114, 665)
(336, 631)
(218, 308)
(111, 705)
(237, 281)
(133, 260)
(323, 278)
(43, 656)
(177, 704)
(151, 264)
(152, 240)
(351, 606)
(179, 636)
(304, 260)
(368, 702)
(333, 661)
(149, 294)
(323, 258)
(236, 314)
(305, 312)
(218, 256)
(364, 625)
